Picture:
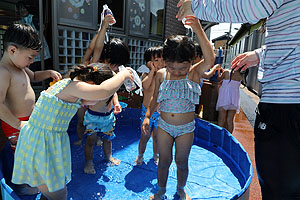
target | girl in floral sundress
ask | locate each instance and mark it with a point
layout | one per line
(43, 157)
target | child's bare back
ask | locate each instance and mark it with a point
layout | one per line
(102, 106)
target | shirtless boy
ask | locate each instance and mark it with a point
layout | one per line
(17, 98)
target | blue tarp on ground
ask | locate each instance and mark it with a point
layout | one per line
(219, 166)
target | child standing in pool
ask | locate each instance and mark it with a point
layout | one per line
(228, 103)
(154, 61)
(114, 53)
(43, 156)
(177, 90)
(99, 120)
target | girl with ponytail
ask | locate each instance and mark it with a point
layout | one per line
(43, 156)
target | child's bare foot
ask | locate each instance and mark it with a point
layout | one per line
(78, 142)
(139, 160)
(89, 167)
(113, 161)
(99, 142)
(183, 195)
(158, 196)
(156, 158)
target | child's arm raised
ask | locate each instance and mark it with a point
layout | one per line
(208, 53)
(153, 103)
(42, 75)
(99, 43)
(89, 50)
(103, 91)
(211, 72)
(5, 114)
(148, 78)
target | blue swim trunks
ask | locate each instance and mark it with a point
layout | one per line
(153, 119)
(101, 123)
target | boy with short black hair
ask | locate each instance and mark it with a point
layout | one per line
(17, 98)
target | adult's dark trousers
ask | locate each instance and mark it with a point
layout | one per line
(277, 150)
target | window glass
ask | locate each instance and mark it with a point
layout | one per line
(157, 17)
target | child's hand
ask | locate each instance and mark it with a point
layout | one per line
(221, 70)
(117, 108)
(217, 67)
(108, 19)
(145, 126)
(55, 75)
(127, 74)
(151, 66)
(193, 22)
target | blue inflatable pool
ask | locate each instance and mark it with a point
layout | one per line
(219, 166)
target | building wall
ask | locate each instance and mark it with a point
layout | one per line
(220, 43)
(172, 25)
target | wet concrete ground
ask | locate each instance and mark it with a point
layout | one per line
(244, 133)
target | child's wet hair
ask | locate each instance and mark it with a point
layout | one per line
(153, 52)
(94, 72)
(116, 52)
(179, 48)
(22, 36)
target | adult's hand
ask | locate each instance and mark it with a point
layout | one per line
(245, 60)
(185, 8)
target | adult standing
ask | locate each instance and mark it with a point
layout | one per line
(33, 21)
(277, 125)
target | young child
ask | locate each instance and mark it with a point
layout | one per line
(114, 54)
(99, 119)
(206, 75)
(229, 98)
(43, 156)
(177, 90)
(17, 98)
(154, 60)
